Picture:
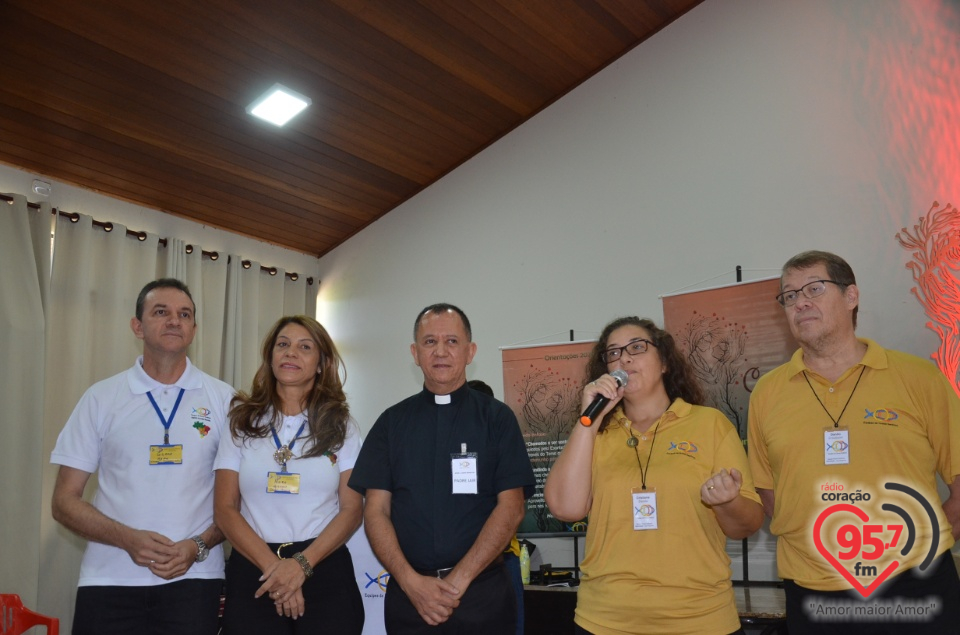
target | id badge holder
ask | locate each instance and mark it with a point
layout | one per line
(283, 483)
(166, 454)
(644, 508)
(463, 471)
(836, 445)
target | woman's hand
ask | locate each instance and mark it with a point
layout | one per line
(721, 488)
(738, 516)
(605, 386)
(292, 607)
(282, 581)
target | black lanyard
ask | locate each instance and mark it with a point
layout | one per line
(836, 422)
(645, 471)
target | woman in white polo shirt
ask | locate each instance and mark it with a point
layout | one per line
(281, 494)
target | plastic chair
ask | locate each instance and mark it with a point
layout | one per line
(16, 619)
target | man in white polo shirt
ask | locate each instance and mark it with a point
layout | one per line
(153, 563)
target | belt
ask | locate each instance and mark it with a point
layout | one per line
(442, 573)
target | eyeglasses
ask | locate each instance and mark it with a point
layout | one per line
(810, 290)
(633, 348)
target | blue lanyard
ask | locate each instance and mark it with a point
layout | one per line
(166, 422)
(285, 452)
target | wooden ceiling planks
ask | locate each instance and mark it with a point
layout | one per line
(145, 101)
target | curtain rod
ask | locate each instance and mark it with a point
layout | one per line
(107, 226)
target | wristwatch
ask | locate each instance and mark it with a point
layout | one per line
(202, 550)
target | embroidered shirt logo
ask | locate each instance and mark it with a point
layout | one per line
(686, 448)
(885, 416)
(201, 428)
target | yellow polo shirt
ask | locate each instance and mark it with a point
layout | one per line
(903, 419)
(676, 578)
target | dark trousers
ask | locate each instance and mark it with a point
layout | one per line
(579, 630)
(848, 613)
(512, 563)
(332, 602)
(185, 607)
(487, 608)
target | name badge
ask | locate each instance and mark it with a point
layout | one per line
(166, 454)
(283, 483)
(836, 446)
(463, 473)
(644, 509)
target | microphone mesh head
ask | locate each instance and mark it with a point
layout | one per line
(621, 376)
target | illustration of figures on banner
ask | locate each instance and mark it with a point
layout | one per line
(543, 385)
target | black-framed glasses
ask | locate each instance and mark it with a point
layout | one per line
(633, 348)
(810, 290)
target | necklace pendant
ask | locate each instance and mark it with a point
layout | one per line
(282, 455)
(632, 441)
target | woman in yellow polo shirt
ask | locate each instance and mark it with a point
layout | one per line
(664, 482)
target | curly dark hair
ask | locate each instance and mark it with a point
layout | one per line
(679, 379)
(326, 404)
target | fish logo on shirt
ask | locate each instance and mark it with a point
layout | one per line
(881, 415)
(688, 448)
(201, 414)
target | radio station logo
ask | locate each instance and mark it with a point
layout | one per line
(860, 541)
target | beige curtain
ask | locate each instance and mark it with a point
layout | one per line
(24, 289)
(65, 329)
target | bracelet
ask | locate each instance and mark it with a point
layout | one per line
(304, 563)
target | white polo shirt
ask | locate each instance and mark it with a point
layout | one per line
(288, 517)
(110, 432)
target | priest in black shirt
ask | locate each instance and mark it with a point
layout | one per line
(445, 474)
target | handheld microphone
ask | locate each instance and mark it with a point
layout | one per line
(600, 402)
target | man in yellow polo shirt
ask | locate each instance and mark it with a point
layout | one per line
(845, 441)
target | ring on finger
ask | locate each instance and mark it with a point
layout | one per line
(711, 487)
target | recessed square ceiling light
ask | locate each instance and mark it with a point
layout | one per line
(278, 105)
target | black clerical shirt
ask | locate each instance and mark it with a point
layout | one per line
(408, 453)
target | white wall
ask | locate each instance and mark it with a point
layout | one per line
(72, 199)
(744, 133)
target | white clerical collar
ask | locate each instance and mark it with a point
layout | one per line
(441, 400)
